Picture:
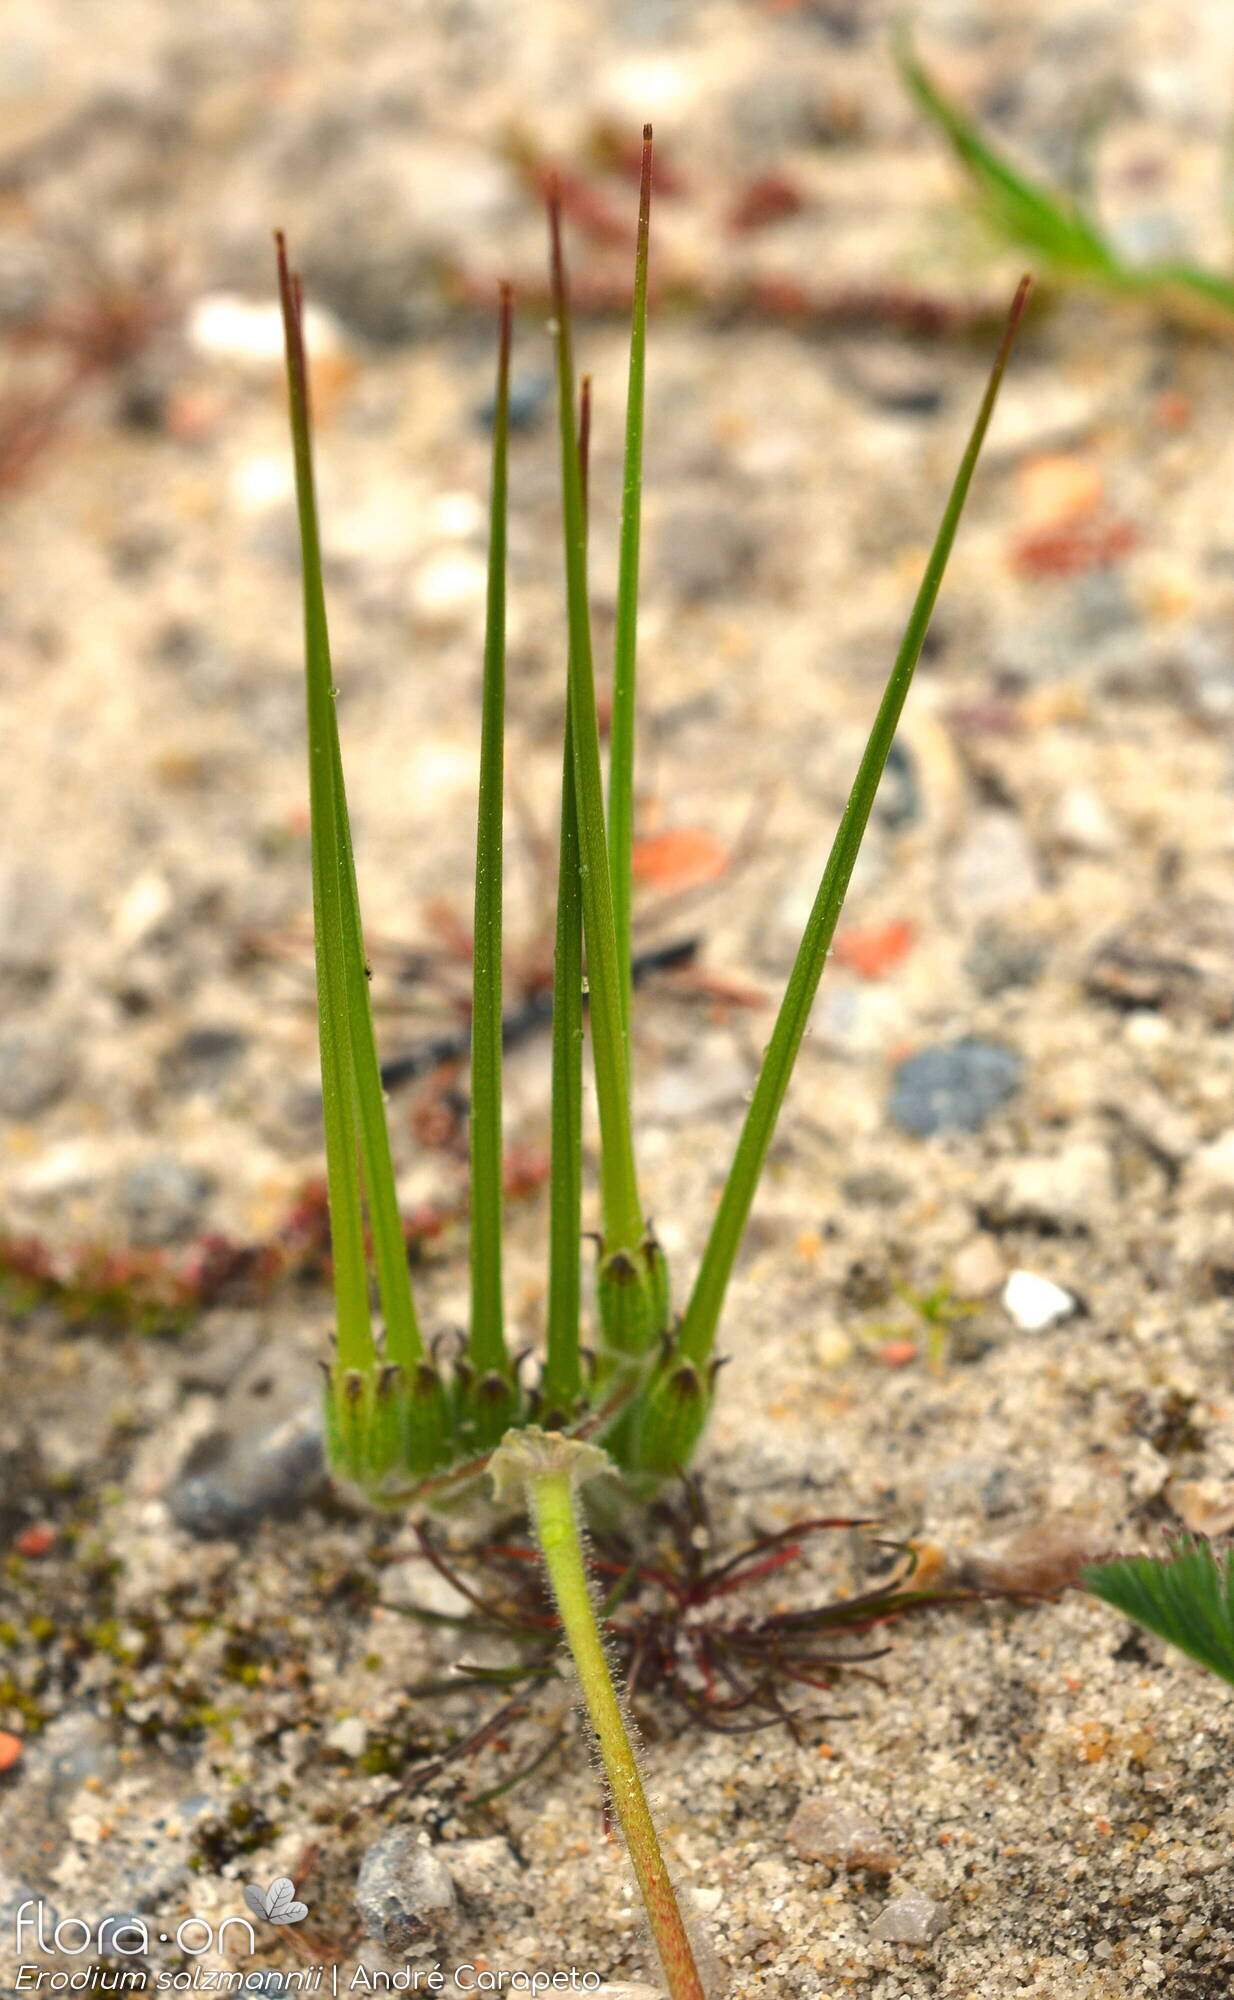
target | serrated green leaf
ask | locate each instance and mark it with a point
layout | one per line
(1185, 1597)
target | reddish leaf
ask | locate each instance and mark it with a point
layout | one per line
(768, 199)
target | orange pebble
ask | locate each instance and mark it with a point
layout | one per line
(1172, 410)
(897, 1353)
(1057, 487)
(683, 858)
(10, 1750)
(35, 1540)
(873, 949)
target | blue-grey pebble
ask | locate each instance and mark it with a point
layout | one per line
(953, 1086)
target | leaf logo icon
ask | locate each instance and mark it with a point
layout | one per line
(277, 1904)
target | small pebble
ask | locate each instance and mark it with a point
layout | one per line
(912, 1918)
(449, 583)
(977, 1269)
(1081, 822)
(1147, 1031)
(529, 395)
(1203, 666)
(994, 867)
(349, 1737)
(1209, 1179)
(774, 108)
(832, 1347)
(1055, 487)
(477, 1867)
(711, 1078)
(414, 1586)
(898, 802)
(14, 1891)
(36, 1540)
(875, 1187)
(202, 1056)
(1064, 1192)
(233, 1480)
(10, 1749)
(35, 1072)
(897, 1353)
(76, 1746)
(142, 910)
(1035, 1303)
(162, 1198)
(705, 552)
(843, 1835)
(953, 1087)
(892, 377)
(34, 922)
(1205, 1506)
(1000, 960)
(419, 202)
(404, 1892)
(248, 333)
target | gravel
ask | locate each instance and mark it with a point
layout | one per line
(1036, 1086)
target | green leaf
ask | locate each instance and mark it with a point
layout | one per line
(706, 1301)
(561, 1383)
(1186, 1597)
(1057, 229)
(1024, 210)
(353, 1105)
(623, 1222)
(486, 1342)
(625, 645)
(1190, 286)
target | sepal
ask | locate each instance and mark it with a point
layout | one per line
(632, 1297)
(382, 1427)
(673, 1414)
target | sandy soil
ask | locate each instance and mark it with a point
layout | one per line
(207, 1656)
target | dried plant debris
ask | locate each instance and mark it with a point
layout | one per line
(1176, 956)
(682, 1627)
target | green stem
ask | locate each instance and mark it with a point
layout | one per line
(625, 646)
(702, 1314)
(486, 1342)
(562, 1382)
(623, 1216)
(546, 1467)
(353, 1103)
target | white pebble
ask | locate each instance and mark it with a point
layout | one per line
(844, 1835)
(221, 326)
(1144, 1028)
(1034, 1302)
(455, 517)
(261, 483)
(1082, 822)
(450, 582)
(349, 1737)
(1209, 1180)
(146, 903)
(912, 1918)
